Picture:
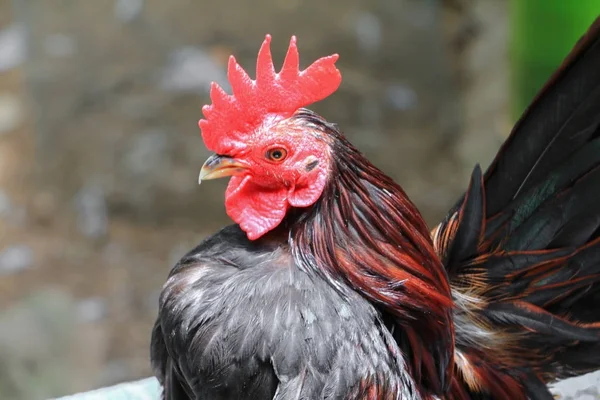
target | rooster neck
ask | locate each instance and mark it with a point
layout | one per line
(365, 233)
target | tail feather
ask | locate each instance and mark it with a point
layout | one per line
(543, 225)
(524, 314)
(522, 247)
(552, 127)
(564, 189)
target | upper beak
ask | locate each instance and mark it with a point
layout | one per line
(218, 166)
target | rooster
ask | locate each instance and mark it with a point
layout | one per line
(330, 285)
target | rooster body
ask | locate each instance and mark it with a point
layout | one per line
(330, 285)
(264, 329)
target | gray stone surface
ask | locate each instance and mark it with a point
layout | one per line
(584, 387)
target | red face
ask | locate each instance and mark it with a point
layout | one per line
(283, 164)
(275, 160)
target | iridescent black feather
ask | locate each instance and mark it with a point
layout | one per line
(522, 247)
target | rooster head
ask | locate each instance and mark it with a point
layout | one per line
(275, 159)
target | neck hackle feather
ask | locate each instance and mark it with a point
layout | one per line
(365, 232)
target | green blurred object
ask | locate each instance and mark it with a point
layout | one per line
(145, 389)
(542, 34)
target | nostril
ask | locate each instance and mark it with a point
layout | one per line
(214, 160)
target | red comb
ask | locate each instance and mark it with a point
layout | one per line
(230, 118)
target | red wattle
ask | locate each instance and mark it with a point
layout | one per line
(256, 209)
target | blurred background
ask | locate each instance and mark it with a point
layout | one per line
(100, 149)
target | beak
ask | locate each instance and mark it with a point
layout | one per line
(218, 166)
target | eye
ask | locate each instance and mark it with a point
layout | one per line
(276, 154)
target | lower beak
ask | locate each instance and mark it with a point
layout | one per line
(218, 166)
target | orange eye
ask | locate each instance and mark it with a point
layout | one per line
(276, 154)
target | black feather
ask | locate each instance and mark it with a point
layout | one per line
(537, 390)
(551, 128)
(545, 223)
(239, 320)
(471, 217)
(544, 323)
(500, 265)
(528, 298)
